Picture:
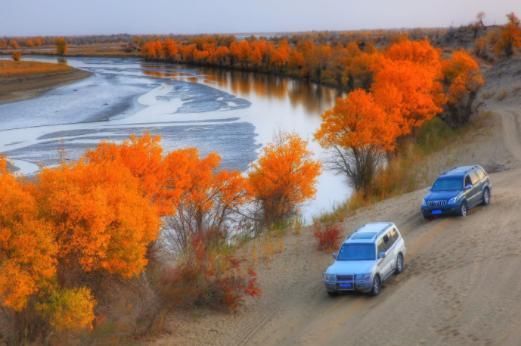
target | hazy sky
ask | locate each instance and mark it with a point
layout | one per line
(71, 17)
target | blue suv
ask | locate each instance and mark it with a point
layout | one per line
(456, 191)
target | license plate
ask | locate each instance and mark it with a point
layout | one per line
(345, 285)
(436, 212)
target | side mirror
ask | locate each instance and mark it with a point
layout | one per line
(381, 255)
(468, 187)
(334, 255)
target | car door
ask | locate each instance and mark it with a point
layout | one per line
(393, 250)
(468, 191)
(382, 263)
(476, 188)
(386, 263)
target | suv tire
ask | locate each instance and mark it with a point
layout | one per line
(486, 197)
(377, 286)
(332, 294)
(399, 265)
(463, 209)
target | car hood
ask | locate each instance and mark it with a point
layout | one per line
(441, 195)
(351, 267)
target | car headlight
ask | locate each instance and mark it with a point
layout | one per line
(454, 199)
(329, 277)
(363, 277)
(424, 203)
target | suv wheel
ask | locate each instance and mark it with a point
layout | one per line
(463, 211)
(486, 197)
(377, 286)
(399, 265)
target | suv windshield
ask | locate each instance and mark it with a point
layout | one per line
(447, 184)
(356, 252)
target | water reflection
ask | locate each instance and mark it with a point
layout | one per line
(314, 98)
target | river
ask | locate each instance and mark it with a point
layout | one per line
(231, 112)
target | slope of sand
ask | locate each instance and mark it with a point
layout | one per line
(461, 285)
(21, 88)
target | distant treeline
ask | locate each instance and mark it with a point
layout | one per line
(377, 36)
(341, 65)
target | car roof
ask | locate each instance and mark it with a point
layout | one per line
(368, 233)
(458, 171)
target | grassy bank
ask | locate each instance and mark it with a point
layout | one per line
(14, 69)
(25, 79)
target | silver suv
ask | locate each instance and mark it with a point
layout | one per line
(366, 259)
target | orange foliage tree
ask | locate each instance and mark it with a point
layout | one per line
(509, 36)
(14, 44)
(27, 248)
(61, 46)
(143, 157)
(28, 265)
(210, 199)
(359, 132)
(410, 84)
(407, 84)
(100, 219)
(284, 177)
(188, 189)
(16, 55)
(303, 58)
(462, 81)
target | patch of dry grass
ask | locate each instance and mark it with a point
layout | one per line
(9, 69)
(488, 95)
(502, 95)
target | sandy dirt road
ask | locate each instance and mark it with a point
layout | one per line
(461, 284)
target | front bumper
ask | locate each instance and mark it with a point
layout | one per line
(348, 286)
(439, 211)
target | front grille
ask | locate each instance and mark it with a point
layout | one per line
(437, 204)
(344, 277)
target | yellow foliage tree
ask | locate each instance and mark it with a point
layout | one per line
(69, 309)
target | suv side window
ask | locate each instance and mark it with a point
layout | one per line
(387, 241)
(467, 180)
(474, 177)
(394, 235)
(381, 246)
(481, 173)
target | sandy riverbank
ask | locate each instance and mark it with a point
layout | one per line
(24, 87)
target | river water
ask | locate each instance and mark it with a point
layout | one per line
(233, 113)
